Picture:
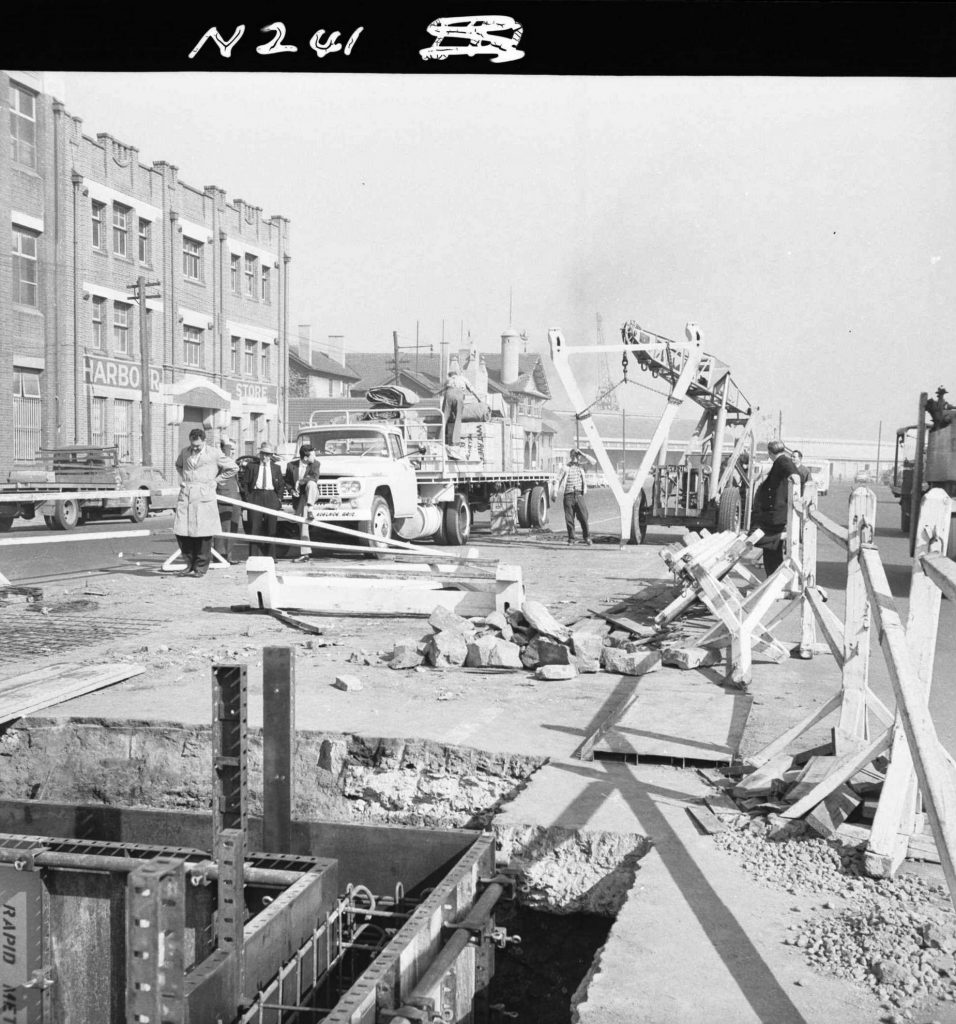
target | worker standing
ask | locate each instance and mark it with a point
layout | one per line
(575, 487)
(771, 505)
(230, 516)
(302, 478)
(197, 518)
(454, 392)
(262, 484)
(797, 457)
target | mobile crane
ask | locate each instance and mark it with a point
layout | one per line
(709, 487)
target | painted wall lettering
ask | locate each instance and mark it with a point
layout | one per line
(117, 374)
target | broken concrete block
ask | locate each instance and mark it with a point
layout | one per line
(442, 619)
(405, 654)
(448, 648)
(629, 663)
(492, 652)
(690, 657)
(555, 672)
(551, 653)
(529, 654)
(587, 645)
(585, 665)
(544, 622)
(351, 684)
(497, 620)
(599, 627)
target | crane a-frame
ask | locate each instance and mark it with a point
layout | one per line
(708, 486)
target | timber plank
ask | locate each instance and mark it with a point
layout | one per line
(706, 819)
(24, 694)
(832, 811)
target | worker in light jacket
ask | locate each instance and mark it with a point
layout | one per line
(230, 516)
(197, 516)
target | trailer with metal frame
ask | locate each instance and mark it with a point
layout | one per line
(711, 486)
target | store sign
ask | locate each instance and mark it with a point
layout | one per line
(263, 394)
(116, 374)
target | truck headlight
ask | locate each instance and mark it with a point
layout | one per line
(348, 488)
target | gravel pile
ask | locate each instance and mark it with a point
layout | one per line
(896, 936)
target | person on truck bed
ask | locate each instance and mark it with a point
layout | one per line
(453, 404)
(197, 515)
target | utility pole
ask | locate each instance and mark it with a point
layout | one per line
(139, 295)
(395, 351)
(443, 357)
(780, 425)
(879, 444)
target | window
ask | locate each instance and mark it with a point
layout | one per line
(250, 363)
(24, 266)
(251, 267)
(234, 354)
(266, 284)
(97, 337)
(234, 270)
(123, 429)
(264, 374)
(192, 259)
(235, 432)
(98, 422)
(192, 346)
(120, 229)
(145, 249)
(97, 224)
(26, 414)
(121, 328)
(23, 125)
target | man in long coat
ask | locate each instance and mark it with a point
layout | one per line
(197, 515)
(771, 501)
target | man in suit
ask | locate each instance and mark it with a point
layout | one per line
(301, 477)
(262, 484)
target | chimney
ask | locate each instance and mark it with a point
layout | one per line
(304, 344)
(510, 342)
(336, 348)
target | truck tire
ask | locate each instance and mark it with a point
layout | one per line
(538, 507)
(729, 510)
(639, 520)
(379, 524)
(139, 509)
(457, 521)
(524, 509)
(66, 515)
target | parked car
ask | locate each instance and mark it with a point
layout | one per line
(864, 477)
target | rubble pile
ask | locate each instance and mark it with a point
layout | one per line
(895, 936)
(531, 638)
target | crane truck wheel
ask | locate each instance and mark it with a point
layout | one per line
(524, 509)
(639, 520)
(538, 507)
(457, 521)
(729, 509)
(66, 515)
(139, 509)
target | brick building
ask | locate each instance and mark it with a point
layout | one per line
(88, 220)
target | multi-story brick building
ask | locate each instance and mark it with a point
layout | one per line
(88, 220)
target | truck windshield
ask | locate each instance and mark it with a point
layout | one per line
(346, 441)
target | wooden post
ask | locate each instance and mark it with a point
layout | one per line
(895, 817)
(278, 742)
(808, 570)
(794, 528)
(852, 729)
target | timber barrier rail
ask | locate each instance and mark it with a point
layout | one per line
(920, 772)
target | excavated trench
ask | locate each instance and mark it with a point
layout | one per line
(570, 886)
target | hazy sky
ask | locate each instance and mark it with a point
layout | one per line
(807, 225)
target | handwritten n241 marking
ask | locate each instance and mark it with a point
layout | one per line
(478, 33)
(277, 43)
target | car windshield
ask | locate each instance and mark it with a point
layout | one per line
(346, 441)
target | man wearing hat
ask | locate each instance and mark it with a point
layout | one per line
(262, 484)
(575, 487)
(230, 516)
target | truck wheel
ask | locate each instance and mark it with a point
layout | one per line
(6, 523)
(524, 509)
(379, 524)
(639, 520)
(457, 521)
(538, 507)
(728, 511)
(65, 516)
(138, 509)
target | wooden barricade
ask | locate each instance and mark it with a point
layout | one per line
(918, 770)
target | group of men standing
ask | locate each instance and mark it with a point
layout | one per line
(208, 473)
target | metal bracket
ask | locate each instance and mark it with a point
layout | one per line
(417, 1009)
(26, 859)
(39, 979)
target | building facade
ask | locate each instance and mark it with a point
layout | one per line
(78, 350)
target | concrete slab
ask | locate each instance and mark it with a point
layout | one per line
(696, 938)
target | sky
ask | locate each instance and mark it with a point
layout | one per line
(807, 225)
